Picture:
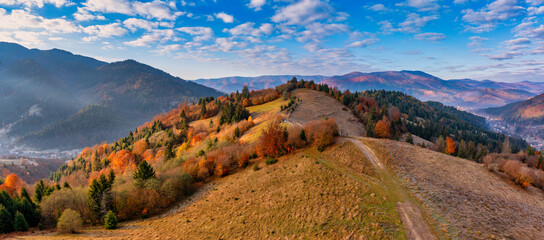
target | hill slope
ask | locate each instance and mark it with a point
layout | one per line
(473, 202)
(55, 99)
(359, 188)
(529, 111)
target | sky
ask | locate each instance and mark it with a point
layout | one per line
(500, 40)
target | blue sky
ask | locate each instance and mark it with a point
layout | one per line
(498, 40)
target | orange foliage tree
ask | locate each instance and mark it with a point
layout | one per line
(450, 146)
(140, 147)
(272, 140)
(383, 128)
(12, 184)
(121, 160)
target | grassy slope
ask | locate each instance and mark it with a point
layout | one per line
(465, 199)
(305, 195)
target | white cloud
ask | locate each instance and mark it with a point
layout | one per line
(303, 12)
(200, 33)
(529, 29)
(535, 10)
(363, 43)
(485, 18)
(316, 32)
(134, 24)
(157, 35)
(84, 15)
(34, 3)
(21, 19)
(476, 41)
(225, 17)
(535, 2)
(226, 44)
(518, 41)
(109, 6)
(414, 22)
(155, 9)
(421, 5)
(433, 37)
(22, 37)
(378, 7)
(256, 4)
(248, 29)
(167, 49)
(104, 31)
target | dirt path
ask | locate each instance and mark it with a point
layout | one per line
(411, 215)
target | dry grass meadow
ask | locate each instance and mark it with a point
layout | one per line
(329, 195)
(468, 201)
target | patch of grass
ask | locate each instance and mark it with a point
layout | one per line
(270, 161)
(273, 106)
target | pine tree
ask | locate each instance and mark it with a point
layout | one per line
(111, 177)
(203, 111)
(94, 198)
(25, 194)
(110, 222)
(19, 223)
(237, 132)
(107, 202)
(39, 191)
(6, 225)
(184, 122)
(245, 92)
(168, 152)
(28, 209)
(462, 152)
(142, 173)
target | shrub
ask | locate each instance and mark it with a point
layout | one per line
(270, 161)
(56, 203)
(110, 222)
(272, 141)
(256, 167)
(69, 222)
(19, 223)
(321, 132)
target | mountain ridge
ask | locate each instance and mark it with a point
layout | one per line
(58, 85)
(464, 93)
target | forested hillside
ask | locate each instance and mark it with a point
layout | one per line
(390, 114)
(530, 111)
(54, 99)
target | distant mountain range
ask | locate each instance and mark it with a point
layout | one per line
(231, 84)
(465, 93)
(55, 99)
